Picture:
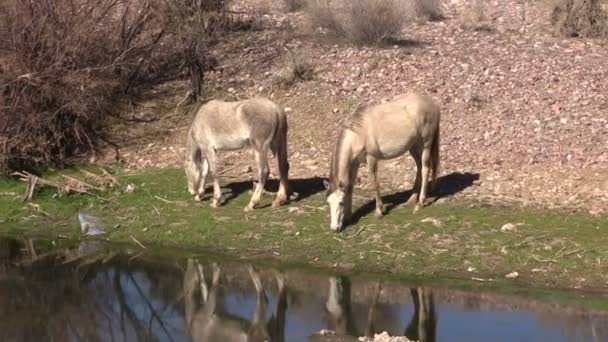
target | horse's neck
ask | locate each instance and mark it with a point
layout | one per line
(351, 149)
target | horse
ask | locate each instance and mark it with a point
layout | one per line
(256, 123)
(408, 122)
(208, 320)
(421, 327)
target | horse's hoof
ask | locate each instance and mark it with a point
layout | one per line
(198, 198)
(378, 213)
(417, 208)
(277, 203)
(215, 204)
(248, 208)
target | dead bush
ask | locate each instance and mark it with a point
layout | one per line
(297, 68)
(294, 5)
(580, 18)
(429, 9)
(359, 21)
(67, 65)
(474, 17)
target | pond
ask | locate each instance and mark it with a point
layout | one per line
(100, 292)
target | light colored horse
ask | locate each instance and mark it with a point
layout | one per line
(408, 122)
(256, 123)
(421, 327)
(211, 322)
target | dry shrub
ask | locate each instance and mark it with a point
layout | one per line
(580, 18)
(474, 17)
(296, 69)
(294, 5)
(66, 65)
(359, 21)
(429, 9)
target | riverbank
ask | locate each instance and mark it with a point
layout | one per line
(552, 249)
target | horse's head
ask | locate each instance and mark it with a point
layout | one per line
(336, 195)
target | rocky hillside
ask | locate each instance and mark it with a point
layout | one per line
(524, 111)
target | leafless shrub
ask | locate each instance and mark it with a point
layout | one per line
(429, 9)
(294, 5)
(580, 18)
(297, 69)
(359, 21)
(67, 64)
(474, 17)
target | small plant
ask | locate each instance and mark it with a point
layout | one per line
(429, 9)
(474, 17)
(359, 21)
(297, 69)
(294, 5)
(579, 18)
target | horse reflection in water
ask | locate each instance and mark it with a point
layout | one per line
(422, 325)
(211, 322)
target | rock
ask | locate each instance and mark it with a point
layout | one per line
(432, 220)
(512, 275)
(508, 227)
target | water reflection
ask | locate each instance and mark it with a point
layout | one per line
(88, 293)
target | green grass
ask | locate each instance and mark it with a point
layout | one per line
(550, 248)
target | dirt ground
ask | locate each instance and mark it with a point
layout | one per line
(524, 112)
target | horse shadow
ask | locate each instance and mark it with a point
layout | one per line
(300, 189)
(447, 185)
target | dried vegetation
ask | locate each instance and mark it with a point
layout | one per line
(67, 65)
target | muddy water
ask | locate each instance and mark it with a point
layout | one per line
(94, 292)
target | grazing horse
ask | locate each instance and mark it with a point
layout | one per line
(408, 122)
(256, 123)
(421, 327)
(211, 322)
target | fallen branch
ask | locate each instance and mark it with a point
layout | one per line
(34, 181)
(137, 242)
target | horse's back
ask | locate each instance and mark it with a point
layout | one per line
(393, 127)
(417, 104)
(261, 116)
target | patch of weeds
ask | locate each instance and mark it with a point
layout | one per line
(296, 69)
(579, 18)
(474, 18)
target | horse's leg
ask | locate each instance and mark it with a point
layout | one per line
(211, 156)
(422, 316)
(203, 179)
(416, 188)
(426, 161)
(372, 164)
(258, 324)
(261, 160)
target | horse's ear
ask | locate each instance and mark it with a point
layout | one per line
(341, 185)
(326, 184)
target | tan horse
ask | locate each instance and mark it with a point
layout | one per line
(408, 122)
(256, 123)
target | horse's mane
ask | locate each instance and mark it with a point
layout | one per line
(354, 122)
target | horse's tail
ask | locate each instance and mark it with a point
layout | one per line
(280, 143)
(192, 160)
(435, 159)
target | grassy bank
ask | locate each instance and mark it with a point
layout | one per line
(550, 249)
